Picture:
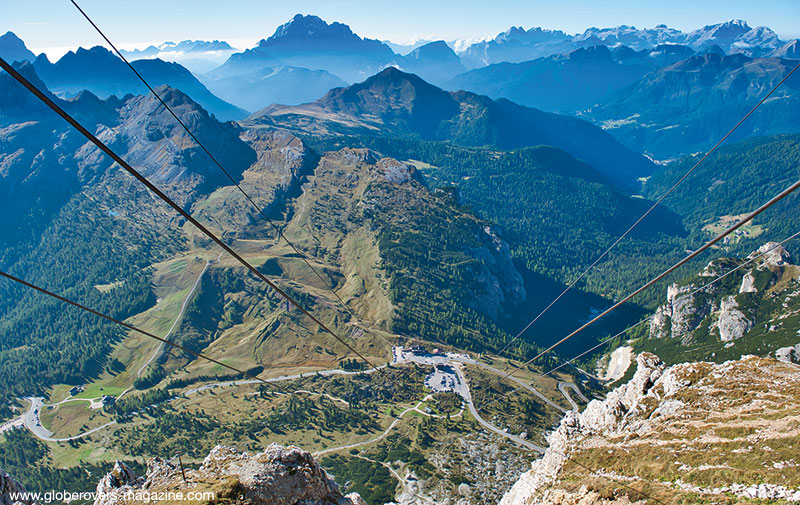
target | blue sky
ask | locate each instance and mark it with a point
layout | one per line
(54, 26)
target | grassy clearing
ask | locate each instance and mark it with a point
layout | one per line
(72, 418)
(96, 390)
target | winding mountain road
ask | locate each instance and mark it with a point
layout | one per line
(525, 386)
(461, 387)
(563, 386)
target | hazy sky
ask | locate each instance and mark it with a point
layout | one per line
(55, 26)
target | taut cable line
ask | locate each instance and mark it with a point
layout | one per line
(647, 213)
(252, 202)
(636, 325)
(783, 194)
(124, 164)
(130, 326)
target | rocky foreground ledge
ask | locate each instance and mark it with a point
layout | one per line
(690, 433)
(277, 476)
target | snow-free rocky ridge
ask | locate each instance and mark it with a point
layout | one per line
(683, 434)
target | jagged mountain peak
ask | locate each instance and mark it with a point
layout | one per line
(96, 55)
(737, 23)
(12, 48)
(732, 27)
(10, 37)
(302, 26)
(313, 31)
(723, 34)
(531, 35)
(310, 42)
(189, 45)
(165, 153)
(148, 112)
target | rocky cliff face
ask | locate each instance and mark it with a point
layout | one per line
(682, 434)
(277, 476)
(752, 311)
(9, 489)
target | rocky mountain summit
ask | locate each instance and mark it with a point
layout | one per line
(689, 433)
(394, 103)
(276, 476)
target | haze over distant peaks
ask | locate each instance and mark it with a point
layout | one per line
(12, 49)
(185, 46)
(395, 103)
(516, 44)
(435, 62)
(310, 42)
(104, 74)
(199, 56)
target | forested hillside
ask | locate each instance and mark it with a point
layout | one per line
(557, 213)
(394, 104)
(688, 106)
(736, 179)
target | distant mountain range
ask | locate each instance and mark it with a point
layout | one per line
(199, 56)
(186, 46)
(615, 77)
(104, 74)
(306, 57)
(548, 69)
(685, 107)
(559, 82)
(394, 103)
(517, 45)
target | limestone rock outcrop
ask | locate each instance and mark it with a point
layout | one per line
(669, 430)
(727, 308)
(732, 323)
(277, 476)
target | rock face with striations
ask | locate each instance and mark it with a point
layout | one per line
(729, 309)
(670, 430)
(277, 476)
